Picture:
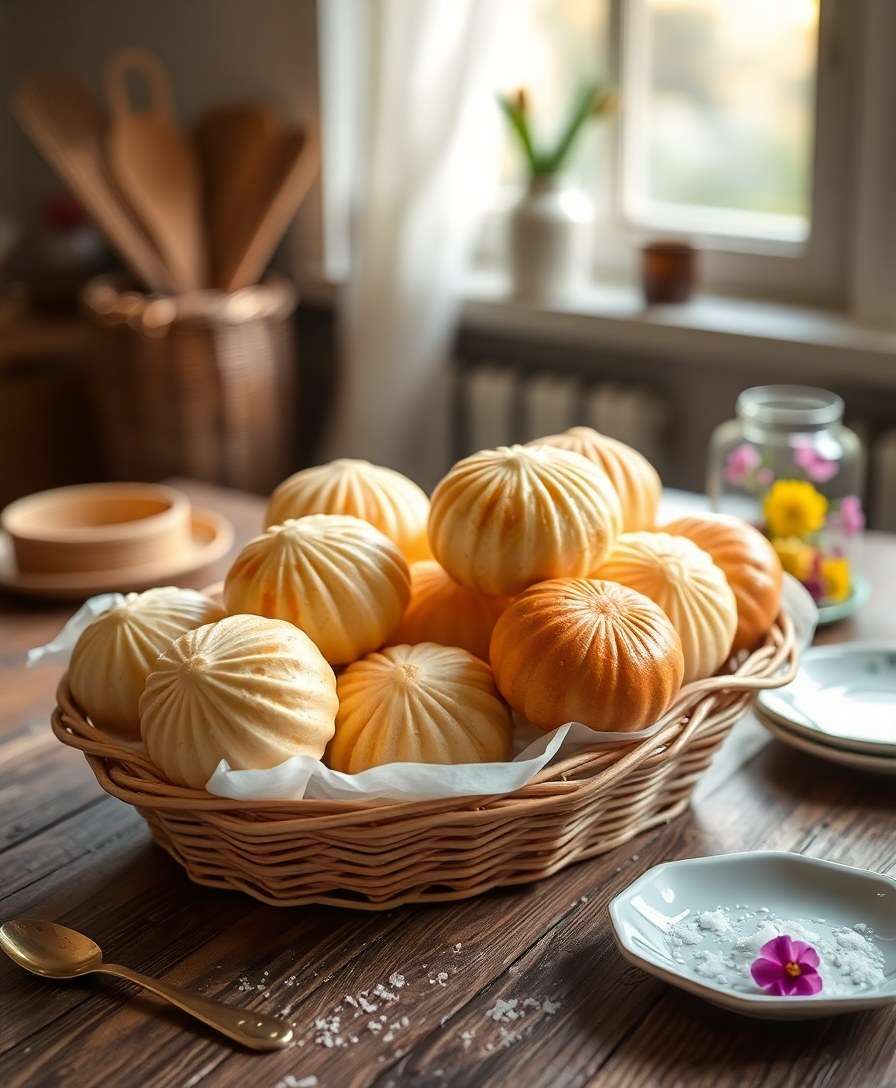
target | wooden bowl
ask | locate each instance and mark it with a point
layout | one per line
(97, 527)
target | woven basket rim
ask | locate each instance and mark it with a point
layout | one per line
(109, 300)
(123, 769)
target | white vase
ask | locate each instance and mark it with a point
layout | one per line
(551, 235)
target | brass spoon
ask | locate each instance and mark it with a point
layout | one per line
(54, 951)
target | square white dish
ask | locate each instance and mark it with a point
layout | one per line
(647, 914)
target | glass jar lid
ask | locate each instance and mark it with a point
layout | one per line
(791, 407)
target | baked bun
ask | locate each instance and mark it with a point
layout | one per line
(340, 580)
(389, 501)
(419, 704)
(579, 649)
(750, 564)
(690, 589)
(505, 518)
(114, 655)
(633, 477)
(445, 612)
(246, 689)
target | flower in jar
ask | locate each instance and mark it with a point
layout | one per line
(797, 557)
(850, 516)
(836, 581)
(741, 462)
(794, 508)
(815, 465)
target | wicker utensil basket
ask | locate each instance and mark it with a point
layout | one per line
(377, 855)
(197, 385)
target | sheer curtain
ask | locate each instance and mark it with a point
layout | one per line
(431, 130)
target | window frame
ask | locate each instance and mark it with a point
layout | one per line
(813, 270)
(807, 270)
(845, 264)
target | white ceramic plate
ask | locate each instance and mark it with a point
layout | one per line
(789, 886)
(859, 761)
(843, 696)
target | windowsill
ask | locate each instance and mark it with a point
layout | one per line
(710, 329)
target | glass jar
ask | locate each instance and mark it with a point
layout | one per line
(789, 466)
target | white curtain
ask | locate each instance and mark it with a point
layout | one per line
(432, 133)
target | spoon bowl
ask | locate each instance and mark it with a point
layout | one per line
(48, 949)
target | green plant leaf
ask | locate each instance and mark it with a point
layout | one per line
(591, 100)
(520, 125)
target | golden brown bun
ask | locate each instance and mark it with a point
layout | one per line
(340, 580)
(445, 612)
(505, 518)
(633, 477)
(114, 655)
(750, 564)
(419, 704)
(693, 592)
(389, 501)
(246, 689)
(579, 649)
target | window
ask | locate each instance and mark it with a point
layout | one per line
(734, 120)
(721, 115)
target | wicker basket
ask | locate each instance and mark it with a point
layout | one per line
(198, 385)
(377, 855)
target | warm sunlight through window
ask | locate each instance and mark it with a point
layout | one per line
(552, 50)
(720, 114)
(717, 116)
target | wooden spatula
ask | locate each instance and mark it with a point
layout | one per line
(67, 127)
(278, 191)
(156, 165)
(235, 143)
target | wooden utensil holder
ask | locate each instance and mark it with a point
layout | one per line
(199, 385)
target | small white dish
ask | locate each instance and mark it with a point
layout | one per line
(788, 886)
(858, 761)
(844, 696)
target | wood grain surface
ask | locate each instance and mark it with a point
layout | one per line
(70, 853)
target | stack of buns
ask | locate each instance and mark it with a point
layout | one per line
(534, 583)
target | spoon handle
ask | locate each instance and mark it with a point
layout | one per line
(252, 1029)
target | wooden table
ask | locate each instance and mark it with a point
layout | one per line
(71, 853)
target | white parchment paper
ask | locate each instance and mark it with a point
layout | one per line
(305, 777)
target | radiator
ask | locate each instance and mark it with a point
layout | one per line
(500, 405)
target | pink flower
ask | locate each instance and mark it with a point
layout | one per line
(787, 968)
(740, 462)
(850, 515)
(817, 468)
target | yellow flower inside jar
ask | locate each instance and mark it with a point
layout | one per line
(797, 558)
(793, 508)
(835, 578)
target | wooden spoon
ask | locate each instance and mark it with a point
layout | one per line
(269, 208)
(66, 126)
(235, 145)
(54, 951)
(156, 166)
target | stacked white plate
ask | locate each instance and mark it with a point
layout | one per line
(841, 706)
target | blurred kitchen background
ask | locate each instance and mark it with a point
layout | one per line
(436, 293)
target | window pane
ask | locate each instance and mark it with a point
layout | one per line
(722, 114)
(551, 48)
